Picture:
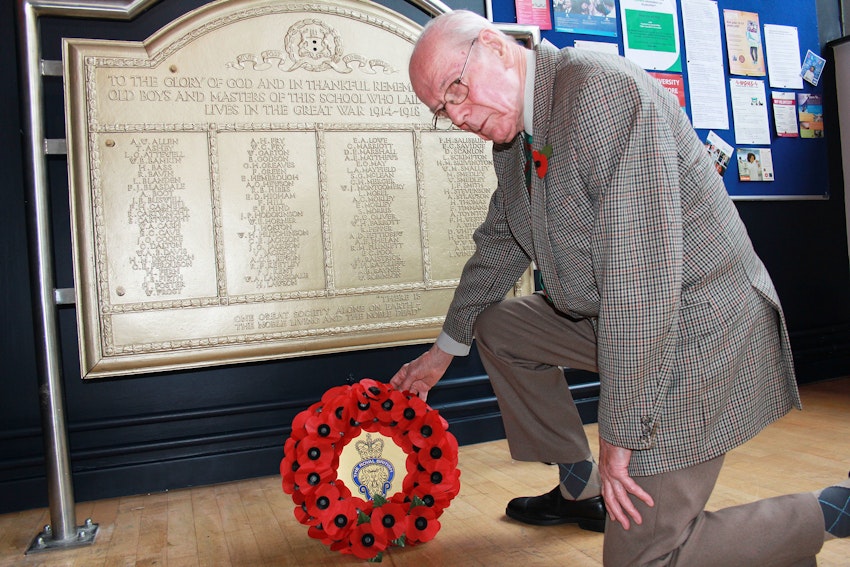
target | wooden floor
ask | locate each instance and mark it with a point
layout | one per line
(251, 523)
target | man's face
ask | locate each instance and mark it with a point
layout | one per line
(493, 105)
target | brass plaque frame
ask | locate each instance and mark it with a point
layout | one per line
(257, 181)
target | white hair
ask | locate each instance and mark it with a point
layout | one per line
(457, 28)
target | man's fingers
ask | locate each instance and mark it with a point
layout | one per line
(630, 509)
(620, 505)
(635, 488)
(612, 505)
(420, 388)
(398, 381)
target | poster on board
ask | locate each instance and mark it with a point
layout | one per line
(743, 43)
(651, 34)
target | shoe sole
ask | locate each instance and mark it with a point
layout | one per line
(584, 523)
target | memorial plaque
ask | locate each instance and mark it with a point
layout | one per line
(258, 180)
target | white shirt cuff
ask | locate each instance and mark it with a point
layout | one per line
(451, 346)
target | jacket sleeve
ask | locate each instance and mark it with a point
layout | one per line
(636, 249)
(489, 274)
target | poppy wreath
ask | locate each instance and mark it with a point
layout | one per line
(343, 520)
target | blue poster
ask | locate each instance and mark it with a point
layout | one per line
(593, 17)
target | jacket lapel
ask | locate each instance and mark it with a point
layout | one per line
(544, 79)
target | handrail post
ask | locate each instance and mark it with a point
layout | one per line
(62, 531)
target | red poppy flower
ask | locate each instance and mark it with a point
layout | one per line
(337, 414)
(427, 429)
(298, 498)
(298, 430)
(375, 391)
(391, 518)
(321, 501)
(392, 399)
(437, 500)
(367, 542)
(317, 450)
(316, 532)
(400, 498)
(404, 413)
(411, 464)
(288, 466)
(342, 545)
(368, 397)
(339, 518)
(385, 429)
(324, 425)
(302, 514)
(422, 525)
(335, 392)
(443, 450)
(344, 492)
(309, 476)
(444, 479)
(541, 163)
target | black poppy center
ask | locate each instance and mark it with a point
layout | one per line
(388, 521)
(340, 521)
(387, 405)
(428, 500)
(324, 430)
(368, 540)
(409, 413)
(314, 453)
(436, 477)
(426, 431)
(435, 452)
(420, 523)
(362, 405)
(313, 479)
(323, 502)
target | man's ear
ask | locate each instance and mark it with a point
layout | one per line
(492, 39)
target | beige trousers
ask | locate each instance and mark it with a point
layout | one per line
(523, 343)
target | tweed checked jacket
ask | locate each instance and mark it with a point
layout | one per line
(632, 228)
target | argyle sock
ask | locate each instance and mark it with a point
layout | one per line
(579, 480)
(835, 504)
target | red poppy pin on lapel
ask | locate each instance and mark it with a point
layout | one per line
(541, 160)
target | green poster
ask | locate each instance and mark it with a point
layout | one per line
(651, 34)
(650, 31)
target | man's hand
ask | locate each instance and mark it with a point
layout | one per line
(420, 375)
(617, 484)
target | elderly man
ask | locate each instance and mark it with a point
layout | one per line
(649, 279)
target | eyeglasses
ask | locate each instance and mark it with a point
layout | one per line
(456, 93)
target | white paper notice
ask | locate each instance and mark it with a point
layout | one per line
(782, 45)
(600, 46)
(785, 114)
(749, 110)
(706, 78)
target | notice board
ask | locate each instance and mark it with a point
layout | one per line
(799, 163)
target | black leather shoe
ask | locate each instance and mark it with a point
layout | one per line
(552, 508)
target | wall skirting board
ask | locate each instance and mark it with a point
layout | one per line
(169, 450)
